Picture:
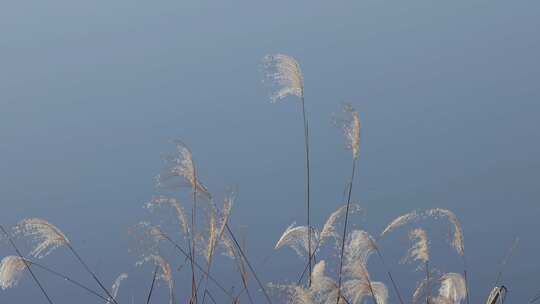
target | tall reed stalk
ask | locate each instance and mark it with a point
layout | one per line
(152, 285)
(351, 129)
(27, 264)
(285, 72)
(340, 269)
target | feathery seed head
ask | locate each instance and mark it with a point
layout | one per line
(11, 271)
(284, 72)
(45, 235)
(419, 251)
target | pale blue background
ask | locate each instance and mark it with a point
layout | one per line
(92, 91)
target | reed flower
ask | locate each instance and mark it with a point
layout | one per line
(177, 207)
(45, 235)
(453, 287)
(457, 240)
(349, 122)
(180, 172)
(419, 250)
(11, 271)
(400, 221)
(166, 273)
(116, 286)
(284, 72)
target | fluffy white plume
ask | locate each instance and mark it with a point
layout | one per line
(175, 204)
(116, 286)
(46, 236)
(453, 287)
(11, 271)
(284, 71)
(296, 237)
(180, 172)
(166, 273)
(419, 250)
(400, 221)
(457, 240)
(351, 126)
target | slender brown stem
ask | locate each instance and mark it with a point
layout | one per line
(199, 267)
(396, 289)
(193, 235)
(91, 272)
(428, 283)
(27, 264)
(152, 286)
(239, 248)
(308, 182)
(345, 231)
(66, 278)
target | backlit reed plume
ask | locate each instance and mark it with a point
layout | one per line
(457, 239)
(352, 136)
(24, 261)
(323, 289)
(180, 171)
(176, 206)
(284, 72)
(358, 248)
(400, 221)
(165, 273)
(419, 250)
(329, 230)
(45, 235)
(48, 237)
(11, 271)
(295, 237)
(116, 286)
(453, 287)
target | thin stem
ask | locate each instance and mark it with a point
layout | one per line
(345, 230)
(188, 256)
(152, 286)
(26, 264)
(248, 263)
(66, 278)
(465, 277)
(396, 290)
(427, 282)
(193, 235)
(90, 272)
(306, 141)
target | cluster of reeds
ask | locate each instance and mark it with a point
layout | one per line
(202, 229)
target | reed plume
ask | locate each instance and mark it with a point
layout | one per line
(116, 286)
(11, 271)
(329, 230)
(295, 237)
(400, 221)
(181, 172)
(457, 241)
(165, 272)
(176, 206)
(419, 251)
(284, 72)
(45, 235)
(453, 287)
(352, 135)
